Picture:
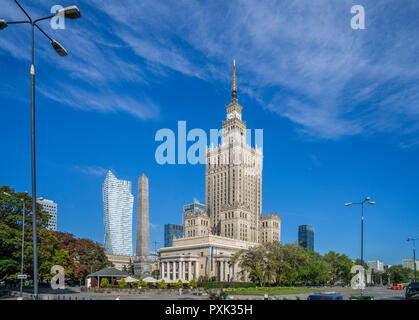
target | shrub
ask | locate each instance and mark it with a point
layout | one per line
(217, 284)
(122, 283)
(178, 284)
(140, 283)
(104, 283)
(192, 283)
(162, 285)
(219, 294)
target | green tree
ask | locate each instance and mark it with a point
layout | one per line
(364, 264)
(399, 274)
(339, 267)
(11, 231)
(292, 261)
(316, 269)
(155, 274)
(79, 257)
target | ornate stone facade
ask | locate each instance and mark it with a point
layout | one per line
(233, 179)
(233, 218)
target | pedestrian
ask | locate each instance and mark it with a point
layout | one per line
(266, 297)
(118, 298)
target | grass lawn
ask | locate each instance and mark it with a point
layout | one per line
(270, 291)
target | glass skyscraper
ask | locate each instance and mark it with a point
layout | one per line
(118, 204)
(193, 207)
(172, 231)
(306, 237)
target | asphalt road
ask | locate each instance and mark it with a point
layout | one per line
(379, 293)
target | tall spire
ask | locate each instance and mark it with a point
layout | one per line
(234, 91)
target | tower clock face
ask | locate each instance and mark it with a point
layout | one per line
(230, 116)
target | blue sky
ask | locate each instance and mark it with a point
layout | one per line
(339, 109)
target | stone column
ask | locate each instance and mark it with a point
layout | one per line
(189, 270)
(223, 276)
(182, 267)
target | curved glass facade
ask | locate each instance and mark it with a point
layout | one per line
(118, 203)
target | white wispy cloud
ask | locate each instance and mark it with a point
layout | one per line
(94, 71)
(109, 102)
(328, 79)
(298, 58)
(91, 170)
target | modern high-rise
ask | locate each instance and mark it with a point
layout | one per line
(195, 206)
(233, 179)
(142, 263)
(50, 207)
(172, 231)
(118, 203)
(306, 237)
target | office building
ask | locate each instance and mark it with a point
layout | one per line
(232, 219)
(50, 207)
(376, 265)
(195, 206)
(172, 231)
(118, 204)
(408, 263)
(306, 237)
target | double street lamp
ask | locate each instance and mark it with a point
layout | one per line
(367, 200)
(71, 12)
(414, 253)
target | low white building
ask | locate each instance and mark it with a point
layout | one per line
(377, 265)
(408, 263)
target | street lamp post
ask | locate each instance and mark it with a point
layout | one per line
(23, 246)
(71, 12)
(365, 201)
(414, 254)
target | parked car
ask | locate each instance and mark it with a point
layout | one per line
(70, 283)
(397, 287)
(325, 296)
(412, 291)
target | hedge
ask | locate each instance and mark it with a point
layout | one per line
(219, 284)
